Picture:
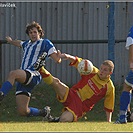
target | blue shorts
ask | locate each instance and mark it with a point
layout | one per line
(129, 79)
(33, 79)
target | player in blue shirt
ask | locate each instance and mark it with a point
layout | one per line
(26, 77)
(125, 98)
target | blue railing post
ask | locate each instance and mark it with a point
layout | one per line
(111, 34)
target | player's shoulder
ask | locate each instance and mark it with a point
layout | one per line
(47, 41)
(95, 69)
(25, 43)
(111, 84)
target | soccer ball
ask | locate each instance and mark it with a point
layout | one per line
(85, 67)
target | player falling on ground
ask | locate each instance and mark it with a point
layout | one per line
(26, 77)
(82, 97)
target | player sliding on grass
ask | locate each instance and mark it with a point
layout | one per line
(26, 77)
(81, 98)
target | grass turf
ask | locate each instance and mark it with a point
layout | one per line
(43, 95)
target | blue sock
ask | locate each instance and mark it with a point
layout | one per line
(34, 111)
(125, 99)
(6, 87)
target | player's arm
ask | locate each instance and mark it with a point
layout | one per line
(109, 116)
(109, 101)
(65, 56)
(56, 57)
(13, 42)
(74, 60)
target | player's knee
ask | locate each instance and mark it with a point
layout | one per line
(64, 118)
(57, 81)
(12, 74)
(129, 78)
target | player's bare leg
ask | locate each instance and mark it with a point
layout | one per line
(15, 75)
(59, 87)
(61, 90)
(22, 102)
(66, 116)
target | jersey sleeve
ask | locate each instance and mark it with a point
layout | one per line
(49, 47)
(76, 62)
(109, 98)
(21, 43)
(24, 43)
(129, 40)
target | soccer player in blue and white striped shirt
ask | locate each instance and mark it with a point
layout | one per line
(26, 77)
(125, 98)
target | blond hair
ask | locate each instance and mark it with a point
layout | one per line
(110, 64)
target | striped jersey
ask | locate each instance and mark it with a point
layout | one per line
(32, 51)
(92, 89)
